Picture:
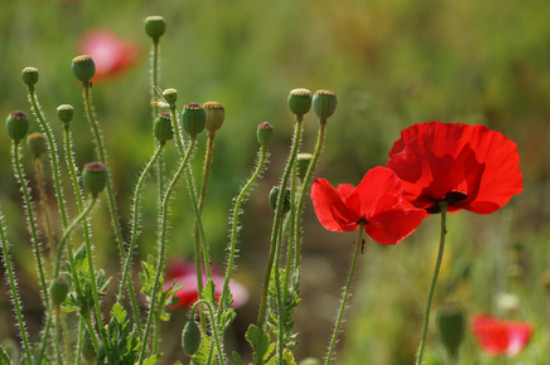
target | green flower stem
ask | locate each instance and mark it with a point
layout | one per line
(39, 173)
(32, 223)
(15, 295)
(214, 328)
(45, 338)
(162, 246)
(80, 202)
(262, 158)
(90, 325)
(277, 221)
(155, 75)
(66, 345)
(135, 218)
(80, 339)
(57, 339)
(110, 197)
(342, 309)
(443, 206)
(281, 310)
(303, 192)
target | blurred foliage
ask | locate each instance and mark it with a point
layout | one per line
(391, 62)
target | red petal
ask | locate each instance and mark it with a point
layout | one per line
(501, 337)
(379, 191)
(332, 212)
(392, 226)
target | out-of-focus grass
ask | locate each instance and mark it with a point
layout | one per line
(392, 63)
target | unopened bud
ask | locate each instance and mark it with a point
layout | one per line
(162, 129)
(37, 144)
(17, 125)
(264, 134)
(94, 177)
(191, 337)
(299, 101)
(170, 95)
(193, 119)
(155, 26)
(324, 103)
(215, 115)
(274, 197)
(83, 68)
(59, 290)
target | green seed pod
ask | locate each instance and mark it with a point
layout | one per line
(191, 337)
(170, 95)
(37, 144)
(324, 103)
(17, 125)
(83, 68)
(155, 26)
(299, 101)
(451, 324)
(193, 119)
(30, 76)
(274, 196)
(162, 129)
(65, 113)
(94, 177)
(264, 134)
(59, 290)
(302, 163)
(215, 115)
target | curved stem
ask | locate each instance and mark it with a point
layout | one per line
(14, 293)
(303, 192)
(277, 220)
(162, 246)
(214, 328)
(443, 206)
(342, 309)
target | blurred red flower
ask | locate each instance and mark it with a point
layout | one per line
(376, 201)
(469, 166)
(183, 273)
(500, 337)
(110, 53)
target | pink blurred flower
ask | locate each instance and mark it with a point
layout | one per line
(500, 337)
(110, 53)
(183, 274)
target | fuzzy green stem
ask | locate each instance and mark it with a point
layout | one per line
(443, 206)
(32, 223)
(66, 345)
(57, 339)
(277, 220)
(80, 338)
(14, 293)
(162, 246)
(303, 192)
(214, 328)
(45, 338)
(342, 309)
(40, 184)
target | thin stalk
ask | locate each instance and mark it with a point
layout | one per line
(262, 158)
(214, 328)
(40, 184)
(57, 340)
(32, 223)
(45, 338)
(277, 220)
(78, 354)
(443, 205)
(342, 309)
(14, 293)
(303, 192)
(162, 246)
(281, 310)
(87, 240)
(66, 346)
(110, 196)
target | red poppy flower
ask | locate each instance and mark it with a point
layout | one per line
(470, 167)
(110, 53)
(376, 201)
(500, 337)
(183, 274)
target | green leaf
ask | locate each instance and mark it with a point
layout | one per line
(259, 340)
(236, 359)
(118, 313)
(4, 359)
(152, 360)
(200, 357)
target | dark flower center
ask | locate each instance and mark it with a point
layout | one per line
(452, 197)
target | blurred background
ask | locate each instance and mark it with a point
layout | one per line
(392, 63)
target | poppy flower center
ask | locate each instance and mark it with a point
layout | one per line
(451, 197)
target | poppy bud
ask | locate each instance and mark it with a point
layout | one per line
(37, 144)
(162, 129)
(299, 101)
(215, 115)
(324, 103)
(94, 177)
(193, 119)
(264, 134)
(302, 163)
(170, 95)
(30, 76)
(274, 196)
(17, 125)
(83, 68)
(451, 324)
(65, 113)
(59, 290)
(191, 337)
(155, 26)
